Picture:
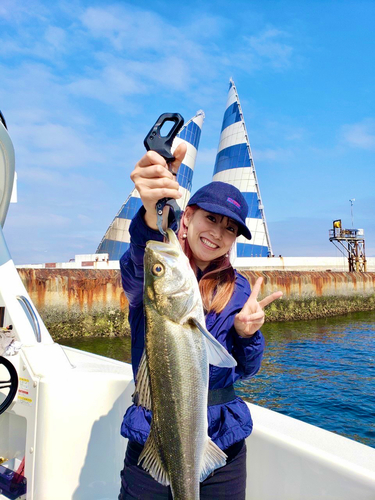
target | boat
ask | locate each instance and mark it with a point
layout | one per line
(61, 411)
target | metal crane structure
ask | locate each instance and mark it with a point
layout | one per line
(351, 243)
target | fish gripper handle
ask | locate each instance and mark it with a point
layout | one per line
(154, 141)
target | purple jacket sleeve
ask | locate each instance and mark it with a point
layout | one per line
(248, 352)
(131, 263)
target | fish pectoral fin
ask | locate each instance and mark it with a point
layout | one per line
(217, 354)
(150, 460)
(142, 393)
(213, 458)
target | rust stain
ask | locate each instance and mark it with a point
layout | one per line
(354, 278)
(83, 287)
(41, 292)
(123, 300)
(97, 288)
(318, 283)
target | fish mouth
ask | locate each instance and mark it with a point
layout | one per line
(171, 247)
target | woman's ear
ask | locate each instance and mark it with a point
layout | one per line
(188, 215)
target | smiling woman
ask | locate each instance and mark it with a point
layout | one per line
(214, 217)
(209, 236)
(204, 237)
(207, 239)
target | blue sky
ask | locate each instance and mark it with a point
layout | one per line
(83, 82)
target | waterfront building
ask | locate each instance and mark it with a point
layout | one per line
(235, 165)
(116, 239)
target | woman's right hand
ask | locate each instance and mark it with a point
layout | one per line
(154, 181)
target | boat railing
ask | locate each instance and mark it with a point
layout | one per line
(30, 313)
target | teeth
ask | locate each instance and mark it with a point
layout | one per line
(208, 243)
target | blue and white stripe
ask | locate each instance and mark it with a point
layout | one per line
(116, 240)
(234, 165)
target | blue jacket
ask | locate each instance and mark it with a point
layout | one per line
(227, 423)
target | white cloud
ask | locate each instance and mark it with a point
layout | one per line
(146, 49)
(360, 135)
(37, 91)
(17, 10)
(270, 49)
(127, 28)
(84, 219)
(172, 71)
(108, 86)
(40, 220)
(121, 78)
(56, 145)
(56, 37)
(41, 39)
(279, 154)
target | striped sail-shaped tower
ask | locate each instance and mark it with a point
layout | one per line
(234, 165)
(116, 239)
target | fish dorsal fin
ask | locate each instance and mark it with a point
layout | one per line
(142, 393)
(151, 462)
(213, 458)
(217, 354)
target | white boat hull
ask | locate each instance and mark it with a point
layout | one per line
(69, 432)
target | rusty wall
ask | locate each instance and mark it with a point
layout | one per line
(87, 289)
(88, 302)
(79, 289)
(300, 285)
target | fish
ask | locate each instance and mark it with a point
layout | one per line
(172, 379)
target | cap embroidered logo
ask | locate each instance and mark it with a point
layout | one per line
(234, 202)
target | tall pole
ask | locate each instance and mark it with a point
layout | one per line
(351, 210)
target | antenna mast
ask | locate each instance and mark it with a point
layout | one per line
(352, 245)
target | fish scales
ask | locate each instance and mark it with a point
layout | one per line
(177, 367)
(172, 378)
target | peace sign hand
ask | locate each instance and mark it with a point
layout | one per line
(251, 317)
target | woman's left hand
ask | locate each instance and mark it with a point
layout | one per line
(251, 317)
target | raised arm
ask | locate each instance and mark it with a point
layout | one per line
(153, 181)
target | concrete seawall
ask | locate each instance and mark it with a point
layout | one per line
(91, 302)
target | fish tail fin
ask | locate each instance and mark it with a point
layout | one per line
(213, 458)
(150, 460)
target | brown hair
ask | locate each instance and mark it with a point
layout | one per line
(218, 280)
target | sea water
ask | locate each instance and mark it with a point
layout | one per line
(320, 371)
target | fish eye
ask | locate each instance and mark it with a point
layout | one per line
(158, 269)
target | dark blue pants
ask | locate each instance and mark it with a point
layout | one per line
(228, 482)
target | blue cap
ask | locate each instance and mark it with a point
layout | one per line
(223, 199)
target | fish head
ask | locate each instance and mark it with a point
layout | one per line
(170, 284)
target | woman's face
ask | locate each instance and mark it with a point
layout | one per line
(209, 235)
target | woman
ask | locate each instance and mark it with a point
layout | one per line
(213, 219)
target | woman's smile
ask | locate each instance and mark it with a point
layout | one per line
(208, 243)
(210, 235)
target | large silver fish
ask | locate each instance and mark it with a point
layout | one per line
(172, 379)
